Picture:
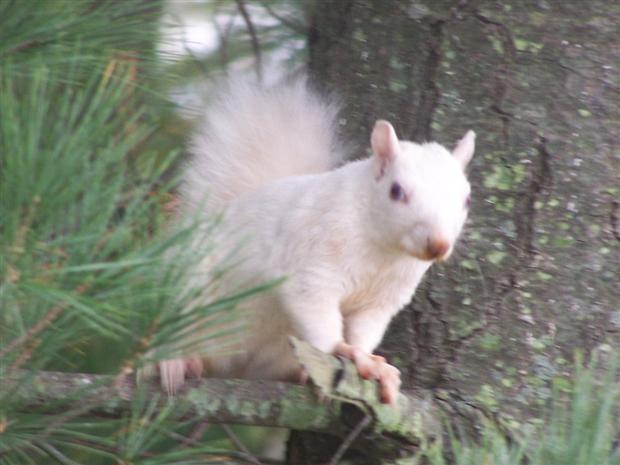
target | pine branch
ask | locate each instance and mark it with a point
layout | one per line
(44, 322)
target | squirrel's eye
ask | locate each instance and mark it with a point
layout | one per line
(468, 202)
(396, 192)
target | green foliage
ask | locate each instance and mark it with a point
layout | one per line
(583, 430)
(79, 238)
(94, 272)
(63, 33)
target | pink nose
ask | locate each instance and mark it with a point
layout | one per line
(437, 248)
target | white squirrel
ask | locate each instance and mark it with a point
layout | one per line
(353, 241)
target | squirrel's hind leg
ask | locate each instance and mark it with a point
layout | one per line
(173, 373)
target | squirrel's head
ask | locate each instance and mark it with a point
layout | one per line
(422, 196)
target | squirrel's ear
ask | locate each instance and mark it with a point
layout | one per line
(384, 142)
(464, 149)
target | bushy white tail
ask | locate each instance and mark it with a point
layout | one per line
(252, 135)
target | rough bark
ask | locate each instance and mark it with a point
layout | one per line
(536, 275)
(336, 404)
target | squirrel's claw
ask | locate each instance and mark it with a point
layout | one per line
(173, 372)
(370, 366)
(389, 383)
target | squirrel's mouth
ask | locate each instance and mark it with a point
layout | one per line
(429, 257)
(443, 257)
(437, 249)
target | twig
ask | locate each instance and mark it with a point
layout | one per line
(297, 27)
(25, 355)
(187, 48)
(25, 45)
(188, 442)
(197, 433)
(239, 445)
(253, 37)
(352, 436)
(43, 323)
(34, 330)
(223, 36)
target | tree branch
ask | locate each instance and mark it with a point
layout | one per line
(333, 403)
(215, 400)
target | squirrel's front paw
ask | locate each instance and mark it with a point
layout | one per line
(370, 366)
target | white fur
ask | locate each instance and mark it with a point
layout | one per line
(251, 136)
(352, 256)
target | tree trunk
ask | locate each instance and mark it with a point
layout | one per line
(536, 274)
